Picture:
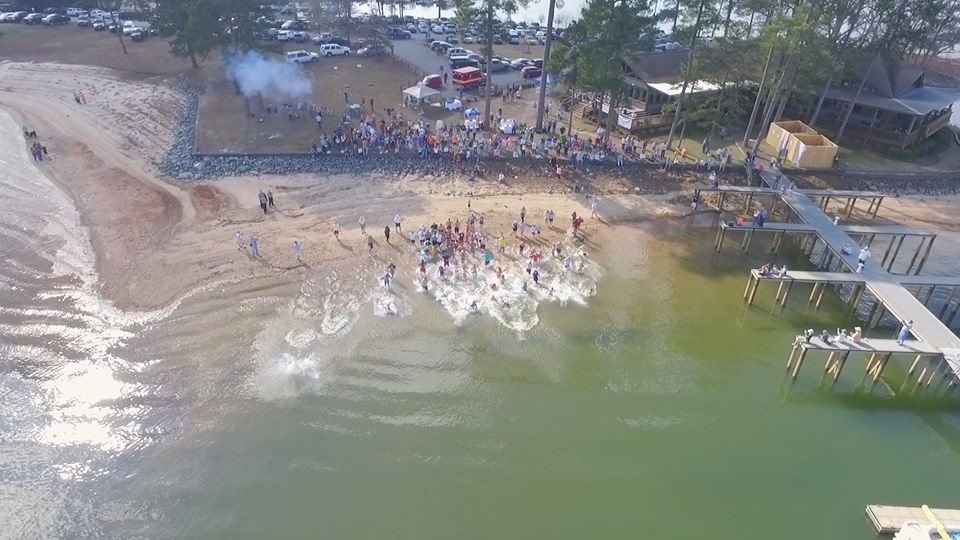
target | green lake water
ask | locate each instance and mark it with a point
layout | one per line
(658, 411)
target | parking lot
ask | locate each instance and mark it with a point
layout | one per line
(416, 52)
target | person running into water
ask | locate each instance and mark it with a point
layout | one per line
(523, 214)
(369, 243)
(336, 231)
(593, 207)
(297, 250)
(396, 222)
(363, 225)
(386, 233)
(270, 198)
(254, 247)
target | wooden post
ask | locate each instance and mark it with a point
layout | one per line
(913, 366)
(824, 203)
(877, 209)
(853, 204)
(779, 291)
(870, 208)
(856, 294)
(753, 294)
(916, 254)
(746, 292)
(883, 262)
(793, 351)
(872, 238)
(870, 361)
(723, 231)
(786, 294)
(926, 254)
(777, 238)
(879, 369)
(926, 300)
(936, 369)
(895, 253)
(823, 287)
(828, 366)
(813, 292)
(946, 306)
(796, 368)
(723, 195)
(877, 314)
(749, 239)
(746, 210)
(839, 367)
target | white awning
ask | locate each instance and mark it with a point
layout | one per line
(420, 92)
(674, 89)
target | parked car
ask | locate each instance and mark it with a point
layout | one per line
(16, 16)
(99, 25)
(531, 40)
(452, 38)
(299, 37)
(302, 57)
(514, 39)
(458, 62)
(56, 19)
(83, 21)
(372, 50)
(334, 49)
(439, 46)
(284, 35)
(295, 25)
(457, 51)
(468, 38)
(432, 81)
(498, 65)
(538, 62)
(497, 39)
(398, 33)
(412, 28)
(33, 18)
(479, 58)
(138, 35)
(520, 63)
(531, 72)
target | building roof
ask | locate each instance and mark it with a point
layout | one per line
(656, 67)
(919, 101)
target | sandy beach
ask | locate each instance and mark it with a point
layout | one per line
(155, 241)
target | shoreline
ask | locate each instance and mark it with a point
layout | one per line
(156, 240)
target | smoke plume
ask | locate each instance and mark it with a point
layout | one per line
(255, 74)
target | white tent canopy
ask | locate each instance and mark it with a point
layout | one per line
(420, 92)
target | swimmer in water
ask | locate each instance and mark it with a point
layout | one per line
(473, 306)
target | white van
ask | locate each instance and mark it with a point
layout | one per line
(130, 27)
(333, 49)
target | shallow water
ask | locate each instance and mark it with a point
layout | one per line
(654, 407)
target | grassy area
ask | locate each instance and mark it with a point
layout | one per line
(224, 125)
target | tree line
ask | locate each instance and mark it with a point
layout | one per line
(775, 51)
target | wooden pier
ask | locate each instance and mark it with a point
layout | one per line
(889, 519)
(935, 348)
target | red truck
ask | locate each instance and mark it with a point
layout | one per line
(469, 77)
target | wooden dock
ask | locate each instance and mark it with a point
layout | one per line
(889, 519)
(889, 291)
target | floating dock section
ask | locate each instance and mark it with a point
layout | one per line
(889, 519)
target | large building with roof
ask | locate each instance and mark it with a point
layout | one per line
(900, 105)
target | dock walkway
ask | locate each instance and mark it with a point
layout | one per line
(886, 287)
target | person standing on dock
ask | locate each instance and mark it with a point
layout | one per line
(904, 332)
(863, 257)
